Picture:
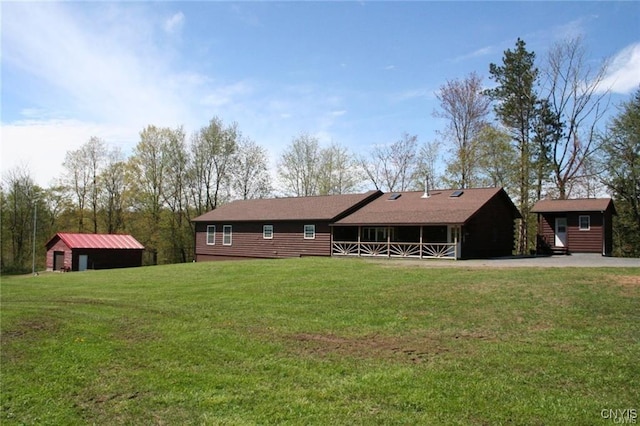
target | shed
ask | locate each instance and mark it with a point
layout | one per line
(576, 225)
(78, 252)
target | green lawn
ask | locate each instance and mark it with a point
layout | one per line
(320, 341)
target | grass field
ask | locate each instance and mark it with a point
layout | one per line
(320, 341)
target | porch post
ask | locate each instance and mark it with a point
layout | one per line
(455, 241)
(420, 241)
(388, 241)
(359, 231)
(331, 242)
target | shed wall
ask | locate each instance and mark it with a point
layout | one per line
(108, 258)
(579, 241)
(59, 246)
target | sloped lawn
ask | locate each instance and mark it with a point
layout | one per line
(320, 341)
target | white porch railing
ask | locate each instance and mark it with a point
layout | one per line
(414, 250)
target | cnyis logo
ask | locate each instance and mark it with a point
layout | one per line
(620, 416)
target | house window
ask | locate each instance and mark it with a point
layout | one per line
(267, 232)
(309, 232)
(226, 235)
(211, 235)
(585, 222)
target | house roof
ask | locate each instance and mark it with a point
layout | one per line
(576, 205)
(440, 208)
(97, 241)
(327, 207)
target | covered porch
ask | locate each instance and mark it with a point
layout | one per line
(422, 242)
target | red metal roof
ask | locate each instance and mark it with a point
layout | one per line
(98, 241)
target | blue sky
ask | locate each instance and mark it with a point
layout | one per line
(354, 73)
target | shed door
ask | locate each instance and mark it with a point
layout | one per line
(561, 232)
(83, 260)
(58, 260)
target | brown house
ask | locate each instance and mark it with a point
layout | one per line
(451, 224)
(78, 252)
(578, 226)
(273, 228)
(456, 224)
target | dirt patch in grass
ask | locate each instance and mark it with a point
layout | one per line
(629, 284)
(413, 349)
(30, 328)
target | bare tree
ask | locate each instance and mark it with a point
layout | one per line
(578, 101)
(175, 196)
(77, 179)
(496, 157)
(212, 150)
(339, 173)
(94, 152)
(392, 167)
(147, 178)
(464, 105)
(113, 188)
(425, 175)
(250, 171)
(299, 165)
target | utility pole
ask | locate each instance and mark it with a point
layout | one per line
(35, 222)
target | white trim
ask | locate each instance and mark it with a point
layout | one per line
(313, 231)
(269, 232)
(211, 234)
(588, 228)
(225, 235)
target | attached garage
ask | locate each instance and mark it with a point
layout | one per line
(79, 252)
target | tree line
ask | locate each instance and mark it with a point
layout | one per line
(536, 131)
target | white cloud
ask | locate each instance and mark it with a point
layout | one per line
(623, 76)
(225, 95)
(41, 145)
(175, 23)
(96, 77)
(483, 51)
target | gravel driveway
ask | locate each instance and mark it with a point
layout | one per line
(578, 260)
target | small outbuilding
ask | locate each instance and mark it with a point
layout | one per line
(575, 226)
(79, 252)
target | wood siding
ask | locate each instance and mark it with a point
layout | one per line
(59, 246)
(247, 240)
(594, 240)
(490, 233)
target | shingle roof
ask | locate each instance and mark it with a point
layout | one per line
(97, 241)
(411, 208)
(327, 207)
(576, 205)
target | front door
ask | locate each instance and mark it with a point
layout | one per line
(561, 232)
